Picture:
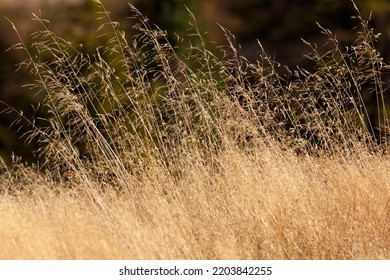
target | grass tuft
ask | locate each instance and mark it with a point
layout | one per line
(151, 153)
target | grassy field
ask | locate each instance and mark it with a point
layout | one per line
(264, 206)
(150, 154)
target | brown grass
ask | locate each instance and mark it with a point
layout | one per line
(148, 154)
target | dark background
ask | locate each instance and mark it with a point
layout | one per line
(279, 25)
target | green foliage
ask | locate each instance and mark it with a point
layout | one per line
(376, 6)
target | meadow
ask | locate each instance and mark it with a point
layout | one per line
(151, 153)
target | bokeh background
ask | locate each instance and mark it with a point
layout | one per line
(279, 25)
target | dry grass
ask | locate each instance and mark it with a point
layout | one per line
(266, 206)
(146, 154)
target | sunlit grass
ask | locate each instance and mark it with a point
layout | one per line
(266, 206)
(150, 154)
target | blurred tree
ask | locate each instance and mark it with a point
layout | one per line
(279, 25)
(169, 15)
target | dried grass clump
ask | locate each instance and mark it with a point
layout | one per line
(150, 153)
(137, 99)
